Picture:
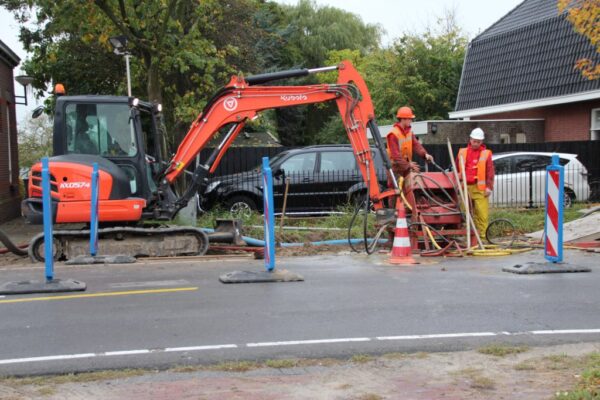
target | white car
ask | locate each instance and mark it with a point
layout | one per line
(521, 179)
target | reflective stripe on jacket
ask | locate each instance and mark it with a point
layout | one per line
(481, 165)
(404, 143)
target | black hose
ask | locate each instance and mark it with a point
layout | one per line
(430, 197)
(356, 211)
(13, 248)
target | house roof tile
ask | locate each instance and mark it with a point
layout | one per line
(529, 54)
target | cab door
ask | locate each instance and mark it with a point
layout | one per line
(107, 129)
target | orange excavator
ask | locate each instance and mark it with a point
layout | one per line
(136, 183)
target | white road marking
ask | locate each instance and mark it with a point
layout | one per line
(317, 341)
(47, 358)
(565, 331)
(437, 336)
(197, 348)
(125, 352)
(295, 342)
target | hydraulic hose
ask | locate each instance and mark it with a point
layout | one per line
(13, 248)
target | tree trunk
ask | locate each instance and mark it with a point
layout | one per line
(154, 88)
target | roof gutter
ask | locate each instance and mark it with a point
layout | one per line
(524, 105)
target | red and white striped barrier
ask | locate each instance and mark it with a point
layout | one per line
(553, 246)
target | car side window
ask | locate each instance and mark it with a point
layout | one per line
(304, 162)
(337, 161)
(537, 162)
(502, 166)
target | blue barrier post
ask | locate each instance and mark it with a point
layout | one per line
(94, 212)
(268, 215)
(553, 227)
(47, 209)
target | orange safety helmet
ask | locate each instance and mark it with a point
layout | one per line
(405, 112)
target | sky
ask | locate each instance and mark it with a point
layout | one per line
(395, 17)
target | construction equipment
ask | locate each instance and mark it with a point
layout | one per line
(123, 135)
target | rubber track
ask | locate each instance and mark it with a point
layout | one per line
(38, 240)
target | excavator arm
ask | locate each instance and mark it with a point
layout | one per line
(243, 99)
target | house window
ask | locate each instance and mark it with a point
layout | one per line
(595, 128)
(521, 138)
(504, 138)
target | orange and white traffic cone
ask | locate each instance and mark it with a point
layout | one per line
(401, 250)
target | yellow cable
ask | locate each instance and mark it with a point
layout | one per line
(490, 253)
(435, 244)
(400, 185)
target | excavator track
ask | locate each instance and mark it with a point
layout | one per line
(130, 241)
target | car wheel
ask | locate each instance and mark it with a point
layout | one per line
(241, 206)
(569, 198)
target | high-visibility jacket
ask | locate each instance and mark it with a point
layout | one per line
(405, 142)
(481, 165)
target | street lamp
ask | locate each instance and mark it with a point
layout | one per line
(119, 44)
(24, 80)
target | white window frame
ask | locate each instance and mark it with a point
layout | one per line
(505, 137)
(521, 138)
(595, 128)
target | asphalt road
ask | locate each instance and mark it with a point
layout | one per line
(348, 304)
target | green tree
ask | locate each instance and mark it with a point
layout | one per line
(313, 31)
(35, 140)
(585, 17)
(309, 33)
(183, 50)
(419, 70)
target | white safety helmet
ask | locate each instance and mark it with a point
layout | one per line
(478, 134)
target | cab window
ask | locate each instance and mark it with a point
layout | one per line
(101, 129)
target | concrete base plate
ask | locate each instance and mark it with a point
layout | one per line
(116, 259)
(279, 275)
(544, 268)
(53, 286)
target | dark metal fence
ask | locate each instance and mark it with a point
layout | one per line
(520, 182)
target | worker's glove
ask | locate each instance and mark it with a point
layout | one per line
(488, 192)
(428, 157)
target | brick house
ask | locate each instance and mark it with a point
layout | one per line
(522, 67)
(9, 163)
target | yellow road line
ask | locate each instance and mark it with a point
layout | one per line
(105, 294)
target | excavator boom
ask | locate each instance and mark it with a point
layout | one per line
(242, 99)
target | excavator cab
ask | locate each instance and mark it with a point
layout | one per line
(113, 128)
(120, 134)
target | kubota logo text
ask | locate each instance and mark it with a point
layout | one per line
(294, 97)
(75, 185)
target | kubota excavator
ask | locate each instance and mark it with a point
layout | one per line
(123, 136)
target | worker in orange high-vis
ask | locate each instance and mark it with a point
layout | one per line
(402, 143)
(479, 172)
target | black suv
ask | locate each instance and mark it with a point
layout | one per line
(321, 178)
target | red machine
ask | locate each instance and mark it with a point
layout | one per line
(123, 136)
